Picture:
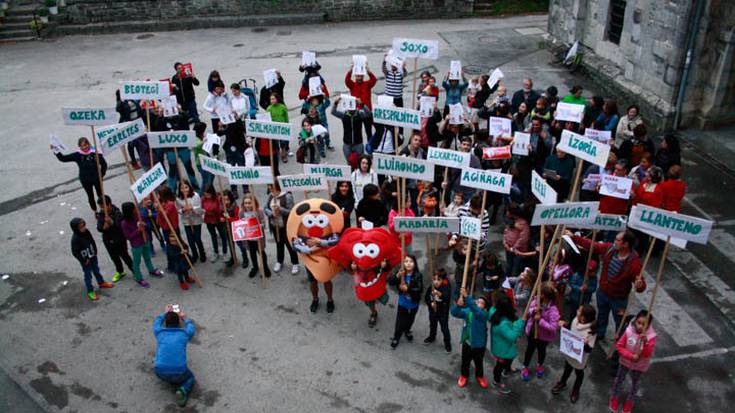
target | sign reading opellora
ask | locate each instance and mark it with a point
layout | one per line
(584, 148)
(486, 180)
(302, 182)
(144, 90)
(441, 225)
(570, 213)
(115, 136)
(269, 130)
(403, 166)
(89, 116)
(249, 175)
(332, 172)
(395, 116)
(670, 223)
(172, 139)
(213, 166)
(149, 182)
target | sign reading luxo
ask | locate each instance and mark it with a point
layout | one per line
(172, 139)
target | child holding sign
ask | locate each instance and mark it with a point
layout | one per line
(636, 350)
(251, 209)
(474, 335)
(545, 319)
(583, 326)
(505, 329)
(232, 214)
(133, 228)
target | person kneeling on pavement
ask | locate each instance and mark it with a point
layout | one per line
(173, 331)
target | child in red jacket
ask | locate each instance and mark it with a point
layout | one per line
(636, 350)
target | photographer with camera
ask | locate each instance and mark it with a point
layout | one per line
(173, 331)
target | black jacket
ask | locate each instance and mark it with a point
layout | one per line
(351, 124)
(83, 246)
(415, 287)
(372, 210)
(87, 165)
(265, 93)
(235, 133)
(519, 97)
(112, 236)
(184, 88)
(444, 302)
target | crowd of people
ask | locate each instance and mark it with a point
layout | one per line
(505, 278)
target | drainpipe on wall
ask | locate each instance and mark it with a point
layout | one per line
(691, 38)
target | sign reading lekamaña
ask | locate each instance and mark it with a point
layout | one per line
(570, 213)
(670, 223)
(115, 136)
(332, 172)
(425, 49)
(249, 175)
(269, 130)
(471, 228)
(486, 180)
(89, 116)
(448, 157)
(149, 182)
(440, 225)
(214, 166)
(403, 166)
(542, 190)
(172, 139)
(584, 148)
(608, 222)
(303, 182)
(395, 116)
(133, 90)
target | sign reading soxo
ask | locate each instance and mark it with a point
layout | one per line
(570, 213)
(425, 49)
(448, 158)
(670, 223)
(403, 167)
(471, 228)
(332, 172)
(133, 90)
(486, 180)
(584, 148)
(440, 225)
(90, 117)
(172, 139)
(149, 182)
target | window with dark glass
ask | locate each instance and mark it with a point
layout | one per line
(616, 20)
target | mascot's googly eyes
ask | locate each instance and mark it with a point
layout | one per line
(372, 250)
(308, 221)
(321, 221)
(358, 250)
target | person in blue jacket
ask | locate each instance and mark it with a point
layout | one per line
(474, 335)
(171, 341)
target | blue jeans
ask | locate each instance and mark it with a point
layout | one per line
(606, 304)
(207, 179)
(184, 380)
(173, 170)
(348, 149)
(191, 109)
(90, 270)
(236, 158)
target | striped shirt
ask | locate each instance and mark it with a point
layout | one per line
(616, 264)
(465, 211)
(394, 81)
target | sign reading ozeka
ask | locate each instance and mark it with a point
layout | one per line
(471, 228)
(403, 167)
(425, 49)
(448, 157)
(570, 213)
(486, 180)
(608, 222)
(149, 182)
(214, 166)
(426, 224)
(249, 175)
(542, 190)
(332, 172)
(115, 136)
(670, 223)
(172, 139)
(90, 116)
(584, 148)
(144, 90)
(395, 116)
(269, 130)
(302, 182)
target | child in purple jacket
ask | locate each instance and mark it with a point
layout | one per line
(546, 321)
(134, 230)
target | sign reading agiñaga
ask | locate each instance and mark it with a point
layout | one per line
(249, 175)
(149, 182)
(172, 139)
(269, 130)
(89, 117)
(425, 49)
(144, 90)
(395, 116)
(213, 166)
(584, 148)
(426, 224)
(303, 182)
(118, 135)
(486, 180)
(403, 167)
(571, 213)
(448, 157)
(670, 223)
(332, 172)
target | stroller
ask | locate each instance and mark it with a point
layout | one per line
(251, 93)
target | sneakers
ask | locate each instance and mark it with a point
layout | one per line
(143, 283)
(558, 387)
(253, 272)
(106, 285)
(539, 371)
(330, 306)
(613, 405)
(267, 272)
(482, 381)
(409, 336)
(203, 258)
(295, 269)
(462, 381)
(394, 344)
(277, 267)
(373, 320)
(574, 396)
(429, 340)
(501, 388)
(189, 279)
(290, 154)
(314, 306)
(628, 406)
(92, 296)
(184, 286)
(156, 273)
(118, 276)
(181, 397)
(524, 374)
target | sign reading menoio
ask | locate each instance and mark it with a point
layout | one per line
(486, 180)
(302, 182)
(584, 148)
(89, 117)
(394, 116)
(570, 213)
(448, 157)
(249, 175)
(144, 90)
(213, 166)
(149, 182)
(332, 172)
(269, 130)
(172, 139)
(670, 223)
(403, 167)
(425, 49)
(115, 136)
(426, 224)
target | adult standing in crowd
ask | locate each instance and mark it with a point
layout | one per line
(527, 94)
(183, 83)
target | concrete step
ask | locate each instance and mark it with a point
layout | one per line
(15, 26)
(21, 18)
(21, 10)
(16, 34)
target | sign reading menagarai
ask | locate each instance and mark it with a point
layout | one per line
(395, 116)
(426, 224)
(172, 139)
(303, 182)
(570, 213)
(269, 130)
(486, 180)
(332, 172)
(249, 175)
(403, 166)
(89, 117)
(149, 182)
(584, 148)
(670, 223)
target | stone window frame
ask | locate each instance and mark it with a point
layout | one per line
(615, 21)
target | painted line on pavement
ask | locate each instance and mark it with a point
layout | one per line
(696, 354)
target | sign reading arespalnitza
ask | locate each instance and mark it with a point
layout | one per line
(395, 116)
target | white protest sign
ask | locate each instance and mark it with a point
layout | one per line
(213, 166)
(571, 345)
(471, 228)
(670, 223)
(359, 65)
(269, 130)
(308, 59)
(119, 135)
(89, 116)
(394, 116)
(569, 111)
(315, 86)
(448, 157)
(249, 175)
(608, 222)
(542, 190)
(149, 182)
(303, 182)
(318, 129)
(403, 167)
(456, 114)
(56, 145)
(426, 106)
(499, 126)
(210, 140)
(571, 53)
(521, 142)
(270, 78)
(264, 116)
(455, 70)
(152, 90)
(424, 49)
(589, 183)
(570, 213)
(440, 225)
(226, 116)
(170, 106)
(584, 148)
(602, 136)
(616, 186)
(331, 172)
(486, 180)
(347, 103)
(495, 77)
(385, 101)
(172, 139)
(677, 242)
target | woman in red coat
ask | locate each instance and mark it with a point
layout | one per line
(673, 190)
(650, 191)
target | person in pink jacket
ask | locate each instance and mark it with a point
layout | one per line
(636, 351)
(544, 319)
(406, 212)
